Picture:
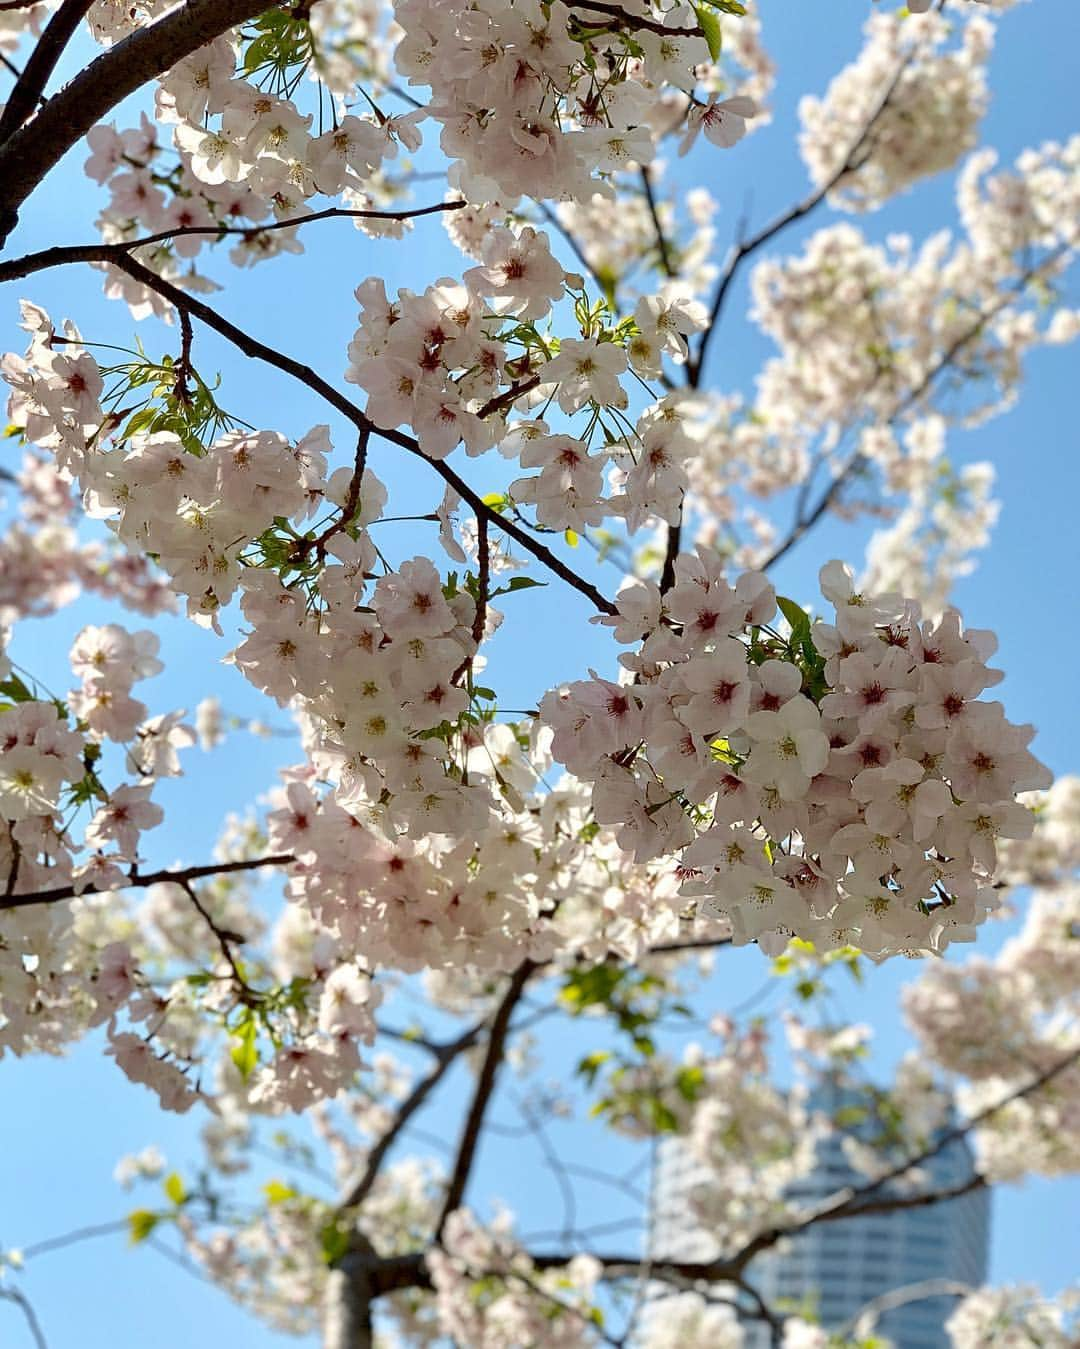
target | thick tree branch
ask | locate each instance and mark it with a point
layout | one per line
(350, 1291)
(141, 880)
(485, 1086)
(411, 1272)
(42, 142)
(50, 47)
(250, 346)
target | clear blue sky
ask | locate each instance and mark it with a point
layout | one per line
(68, 1121)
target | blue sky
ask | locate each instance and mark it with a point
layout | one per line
(68, 1121)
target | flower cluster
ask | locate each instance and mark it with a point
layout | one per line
(538, 100)
(520, 1305)
(932, 98)
(1014, 1316)
(844, 784)
(1000, 1023)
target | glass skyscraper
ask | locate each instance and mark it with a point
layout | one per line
(836, 1269)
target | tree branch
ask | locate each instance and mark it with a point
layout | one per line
(806, 519)
(249, 231)
(661, 239)
(635, 21)
(410, 1271)
(42, 142)
(224, 940)
(21, 1301)
(485, 1086)
(446, 1055)
(140, 881)
(119, 257)
(50, 47)
(746, 247)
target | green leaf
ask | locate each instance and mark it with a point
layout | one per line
(174, 1189)
(334, 1240)
(140, 1224)
(245, 1052)
(689, 1083)
(571, 538)
(591, 1064)
(797, 617)
(14, 688)
(711, 30)
(587, 988)
(518, 583)
(277, 1192)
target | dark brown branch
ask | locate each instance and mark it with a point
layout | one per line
(483, 580)
(485, 1086)
(348, 510)
(250, 346)
(141, 881)
(671, 552)
(225, 942)
(446, 1055)
(411, 1272)
(635, 21)
(49, 48)
(10, 66)
(691, 944)
(661, 238)
(29, 155)
(268, 227)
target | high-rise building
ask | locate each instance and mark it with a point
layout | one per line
(837, 1268)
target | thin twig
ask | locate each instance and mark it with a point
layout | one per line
(73, 1238)
(746, 247)
(225, 942)
(661, 239)
(19, 1298)
(252, 231)
(482, 583)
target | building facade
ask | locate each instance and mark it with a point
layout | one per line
(835, 1269)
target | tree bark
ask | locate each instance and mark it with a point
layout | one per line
(347, 1305)
(35, 148)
